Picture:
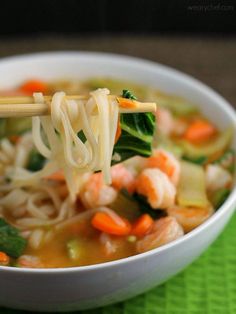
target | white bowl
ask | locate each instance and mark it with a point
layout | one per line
(97, 285)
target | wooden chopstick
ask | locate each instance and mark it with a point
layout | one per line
(24, 106)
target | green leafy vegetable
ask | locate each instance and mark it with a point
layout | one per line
(82, 136)
(145, 208)
(127, 94)
(219, 197)
(198, 160)
(36, 161)
(10, 241)
(137, 131)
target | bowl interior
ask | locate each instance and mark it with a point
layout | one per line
(84, 65)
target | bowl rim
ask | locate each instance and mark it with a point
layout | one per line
(154, 66)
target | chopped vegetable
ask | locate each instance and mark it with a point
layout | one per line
(11, 242)
(136, 136)
(118, 131)
(219, 197)
(142, 225)
(199, 160)
(131, 239)
(217, 145)
(126, 103)
(14, 139)
(127, 94)
(137, 131)
(199, 131)
(74, 249)
(125, 206)
(36, 161)
(144, 207)
(192, 188)
(105, 223)
(82, 136)
(32, 86)
(4, 259)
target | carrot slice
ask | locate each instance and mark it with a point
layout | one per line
(199, 131)
(105, 223)
(4, 259)
(32, 86)
(126, 103)
(142, 225)
(118, 131)
(57, 176)
(14, 139)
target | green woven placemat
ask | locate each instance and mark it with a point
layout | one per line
(207, 286)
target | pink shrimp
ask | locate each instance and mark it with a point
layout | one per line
(165, 120)
(29, 261)
(164, 230)
(166, 162)
(96, 193)
(157, 187)
(190, 217)
(122, 178)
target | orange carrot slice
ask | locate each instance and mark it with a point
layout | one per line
(14, 139)
(118, 131)
(4, 259)
(142, 225)
(199, 131)
(126, 103)
(32, 86)
(105, 223)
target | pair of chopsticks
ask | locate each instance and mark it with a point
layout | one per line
(25, 106)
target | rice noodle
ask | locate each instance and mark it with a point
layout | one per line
(97, 118)
(33, 201)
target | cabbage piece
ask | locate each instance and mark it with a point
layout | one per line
(192, 188)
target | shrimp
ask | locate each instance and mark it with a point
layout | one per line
(122, 178)
(179, 127)
(164, 230)
(29, 261)
(166, 162)
(190, 217)
(165, 121)
(157, 187)
(96, 193)
(217, 177)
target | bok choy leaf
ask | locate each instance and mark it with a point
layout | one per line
(137, 130)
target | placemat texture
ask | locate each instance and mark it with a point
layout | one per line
(208, 286)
